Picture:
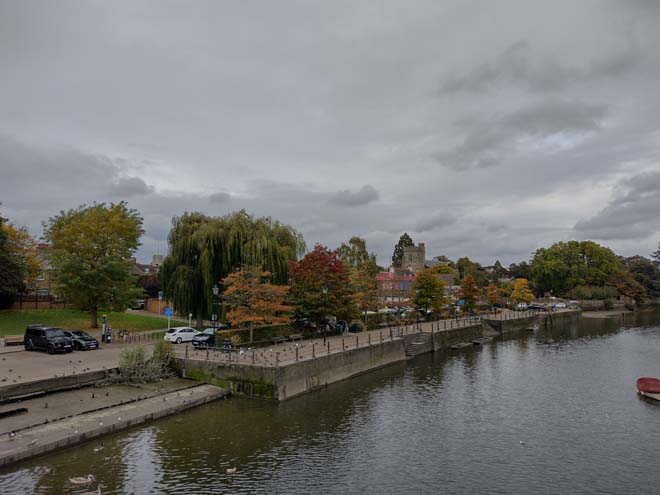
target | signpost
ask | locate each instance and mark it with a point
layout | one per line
(160, 298)
(168, 312)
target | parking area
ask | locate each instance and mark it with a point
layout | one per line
(23, 366)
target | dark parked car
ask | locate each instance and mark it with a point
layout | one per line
(49, 339)
(82, 340)
(205, 339)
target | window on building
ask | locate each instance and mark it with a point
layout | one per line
(42, 292)
(41, 275)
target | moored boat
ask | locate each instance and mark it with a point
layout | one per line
(461, 345)
(649, 387)
(482, 340)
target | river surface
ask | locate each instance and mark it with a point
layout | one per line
(553, 411)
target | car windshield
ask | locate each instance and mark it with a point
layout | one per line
(55, 332)
(209, 331)
(78, 333)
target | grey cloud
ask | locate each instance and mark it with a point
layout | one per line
(314, 100)
(519, 64)
(434, 222)
(126, 187)
(366, 194)
(488, 142)
(219, 197)
(631, 214)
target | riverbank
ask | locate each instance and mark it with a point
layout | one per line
(287, 370)
(57, 421)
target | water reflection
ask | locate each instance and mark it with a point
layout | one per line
(452, 421)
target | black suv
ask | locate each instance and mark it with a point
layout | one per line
(81, 340)
(49, 339)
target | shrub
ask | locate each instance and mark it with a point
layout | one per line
(135, 366)
(608, 304)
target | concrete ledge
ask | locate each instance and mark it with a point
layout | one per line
(55, 384)
(70, 431)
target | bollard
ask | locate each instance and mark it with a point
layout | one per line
(343, 345)
(369, 340)
(252, 356)
(277, 358)
(296, 354)
(381, 336)
(207, 353)
(328, 347)
(186, 351)
(357, 341)
(313, 349)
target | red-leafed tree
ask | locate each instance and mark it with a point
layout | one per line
(320, 286)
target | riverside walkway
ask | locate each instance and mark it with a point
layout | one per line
(304, 349)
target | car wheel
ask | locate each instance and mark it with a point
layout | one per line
(178, 341)
(51, 349)
(77, 346)
(28, 346)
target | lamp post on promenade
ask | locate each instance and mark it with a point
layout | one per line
(214, 317)
(325, 311)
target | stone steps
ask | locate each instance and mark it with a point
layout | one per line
(418, 345)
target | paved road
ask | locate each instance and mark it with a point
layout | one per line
(23, 366)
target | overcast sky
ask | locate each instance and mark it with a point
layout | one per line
(481, 128)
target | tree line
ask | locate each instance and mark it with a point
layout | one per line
(255, 270)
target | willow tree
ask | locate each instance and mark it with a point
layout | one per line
(204, 250)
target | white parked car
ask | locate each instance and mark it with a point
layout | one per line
(521, 306)
(180, 334)
(560, 305)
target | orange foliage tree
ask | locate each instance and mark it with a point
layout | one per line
(254, 300)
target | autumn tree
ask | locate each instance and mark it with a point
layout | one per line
(397, 256)
(253, 300)
(521, 291)
(12, 270)
(320, 286)
(469, 292)
(492, 295)
(24, 248)
(627, 286)
(429, 292)
(90, 255)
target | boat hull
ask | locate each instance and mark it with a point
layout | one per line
(649, 387)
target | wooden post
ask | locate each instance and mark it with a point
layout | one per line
(357, 341)
(328, 347)
(296, 353)
(313, 349)
(186, 351)
(343, 345)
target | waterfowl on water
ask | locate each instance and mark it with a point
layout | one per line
(82, 480)
(231, 470)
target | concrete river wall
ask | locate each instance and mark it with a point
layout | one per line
(287, 380)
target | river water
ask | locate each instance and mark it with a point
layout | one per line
(553, 411)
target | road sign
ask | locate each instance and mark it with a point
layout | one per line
(160, 295)
(461, 302)
(168, 312)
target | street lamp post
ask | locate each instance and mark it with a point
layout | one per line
(214, 317)
(325, 311)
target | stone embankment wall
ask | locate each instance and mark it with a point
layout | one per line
(287, 381)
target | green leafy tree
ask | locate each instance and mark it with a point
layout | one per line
(626, 284)
(521, 291)
(519, 270)
(12, 270)
(566, 265)
(397, 256)
(469, 292)
(321, 270)
(466, 267)
(429, 292)
(204, 250)
(362, 272)
(90, 255)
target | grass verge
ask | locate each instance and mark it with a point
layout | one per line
(14, 322)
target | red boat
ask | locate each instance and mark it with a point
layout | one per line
(649, 387)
